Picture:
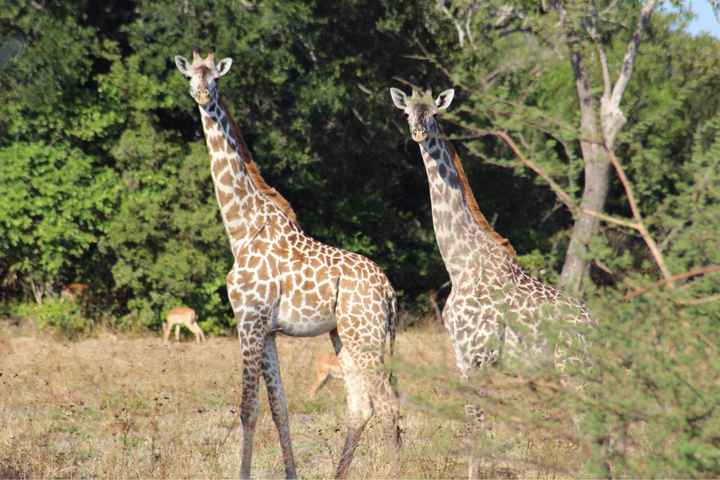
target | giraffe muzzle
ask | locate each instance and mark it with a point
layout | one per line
(419, 134)
(201, 95)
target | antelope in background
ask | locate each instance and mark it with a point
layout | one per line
(182, 316)
(327, 366)
(73, 292)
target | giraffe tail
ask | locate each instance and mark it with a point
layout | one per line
(391, 331)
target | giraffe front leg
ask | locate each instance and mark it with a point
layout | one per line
(474, 349)
(474, 424)
(252, 339)
(278, 403)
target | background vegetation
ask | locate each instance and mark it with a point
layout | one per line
(104, 176)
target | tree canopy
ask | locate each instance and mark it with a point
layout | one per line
(105, 177)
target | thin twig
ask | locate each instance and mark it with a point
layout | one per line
(680, 276)
(639, 225)
(699, 301)
(561, 194)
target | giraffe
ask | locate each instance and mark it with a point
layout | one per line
(285, 282)
(494, 306)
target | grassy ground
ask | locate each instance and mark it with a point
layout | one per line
(133, 408)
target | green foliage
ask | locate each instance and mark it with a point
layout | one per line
(656, 399)
(169, 243)
(54, 208)
(62, 318)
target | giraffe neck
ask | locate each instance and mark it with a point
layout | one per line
(243, 208)
(458, 231)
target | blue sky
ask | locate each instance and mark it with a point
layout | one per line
(705, 20)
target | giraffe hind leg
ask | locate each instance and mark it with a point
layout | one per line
(474, 426)
(384, 400)
(360, 410)
(369, 391)
(278, 403)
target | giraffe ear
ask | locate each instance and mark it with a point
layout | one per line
(399, 98)
(183, 65)
(223, 66)
(443, 101)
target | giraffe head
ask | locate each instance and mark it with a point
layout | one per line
(203, 75)
(420, 109)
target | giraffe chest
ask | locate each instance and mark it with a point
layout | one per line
(486, 325)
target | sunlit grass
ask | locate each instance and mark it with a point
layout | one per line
(132, 407)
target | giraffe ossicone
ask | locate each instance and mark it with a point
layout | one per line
(283, 281)
(494, 306)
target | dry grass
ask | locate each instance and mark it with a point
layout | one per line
(131, 407)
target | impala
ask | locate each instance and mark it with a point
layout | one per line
(182, 316)
(327, 366)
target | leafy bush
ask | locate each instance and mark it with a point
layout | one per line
(60, 317)
(656, 403)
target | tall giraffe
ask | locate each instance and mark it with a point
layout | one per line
(283, 281)
(494, 307)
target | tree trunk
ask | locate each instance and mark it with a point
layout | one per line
(576, 267)
(597, 178)
(596, 137)
(38, 291)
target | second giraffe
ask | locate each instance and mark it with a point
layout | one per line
(494, 307)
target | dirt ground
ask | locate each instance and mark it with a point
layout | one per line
(116, 407)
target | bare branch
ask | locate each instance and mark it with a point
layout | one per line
(364, 89)
(699, 301)
(640, 226)
(695, 272)
(610, 219)
(631, 52)
(610, 7)
(561, 194)
(468, 20)
(593, 33)
(613, 118)
(637, 290)
(463, 26)
(458, 26)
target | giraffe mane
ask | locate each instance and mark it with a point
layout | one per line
(273, 195)
(473, 206)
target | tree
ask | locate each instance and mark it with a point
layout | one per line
(589, 37)
(54, 206)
